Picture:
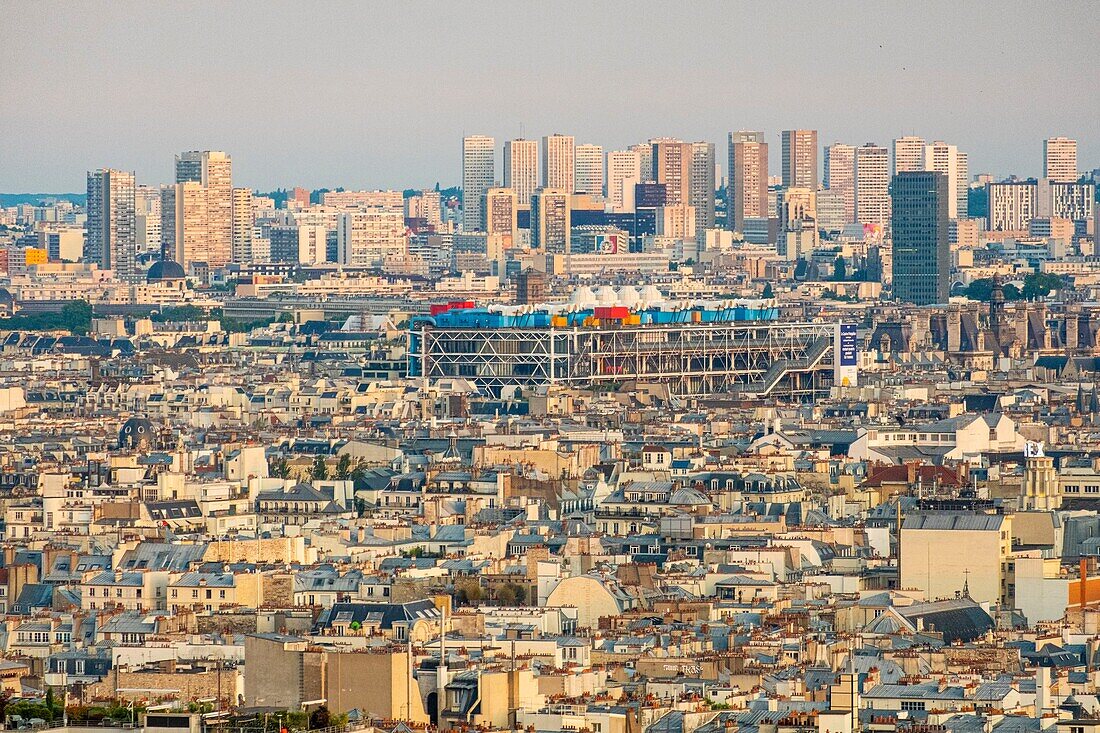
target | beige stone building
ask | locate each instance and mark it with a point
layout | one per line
(286, 671)
(375, 681)
(213, 169)
(944, 553)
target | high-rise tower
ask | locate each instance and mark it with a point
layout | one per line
(589, 169)
(111, 242)
(839, 176)
(702, 186)
(478, 169)
(1060, 159)
(213, 170)
(921, 254)
(558, 159)
(908, 154)
(521, 169)
(871, 183)
(624, 171)
(672, 167)
(800, 159)
(748, 178)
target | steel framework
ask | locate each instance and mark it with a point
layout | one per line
(793, 360)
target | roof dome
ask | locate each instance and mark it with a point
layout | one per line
(165, 270)
(651, 295)
(687, 496)
(629, 296)
(607, 295)
(583, 296)
(137, 432)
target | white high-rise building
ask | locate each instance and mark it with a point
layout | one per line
(962, 184)
(908, 154)
(558, 162)
(478, 169)
(243, 221)
(367, 238)
(672, 167)
(943, 158)
(796, 209)
(312, 245)
(521, 169)
(550, 221)
(111, 242)
(213, 170)
(500, 216)
(702, 186)
(623, 172)
(831, 213)
(1065, 200)
(354, 200)
(185, 228)
(748, 178)
(426, 205)
(62, 242)
(147, 219)
(1060, 159)
(871, 184)
(645, 160)
(840, 178)
(261, 248)
(799, 156)
(1012, 206)
(676, 221)
(326, 216)
(589, 169)
(304, 244)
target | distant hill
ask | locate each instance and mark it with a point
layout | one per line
(15, 199)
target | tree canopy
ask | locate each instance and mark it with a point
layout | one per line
(1036, 285)
(840, 269)
(75, 317)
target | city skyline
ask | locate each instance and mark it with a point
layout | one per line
(536, 368)
(157, 96)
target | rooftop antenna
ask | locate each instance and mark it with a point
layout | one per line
(408, 685)
(441, 670)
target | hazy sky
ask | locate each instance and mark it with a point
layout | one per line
(378, 94)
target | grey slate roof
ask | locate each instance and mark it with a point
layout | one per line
(954, 521)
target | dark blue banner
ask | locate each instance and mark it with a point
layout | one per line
(847, 344)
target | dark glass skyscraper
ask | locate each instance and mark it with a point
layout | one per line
(922, 254)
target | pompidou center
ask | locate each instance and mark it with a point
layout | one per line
(697, 348)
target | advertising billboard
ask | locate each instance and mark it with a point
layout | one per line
(610, 244)
(845, 355)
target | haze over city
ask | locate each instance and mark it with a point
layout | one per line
(377, 95)
(562, 367)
